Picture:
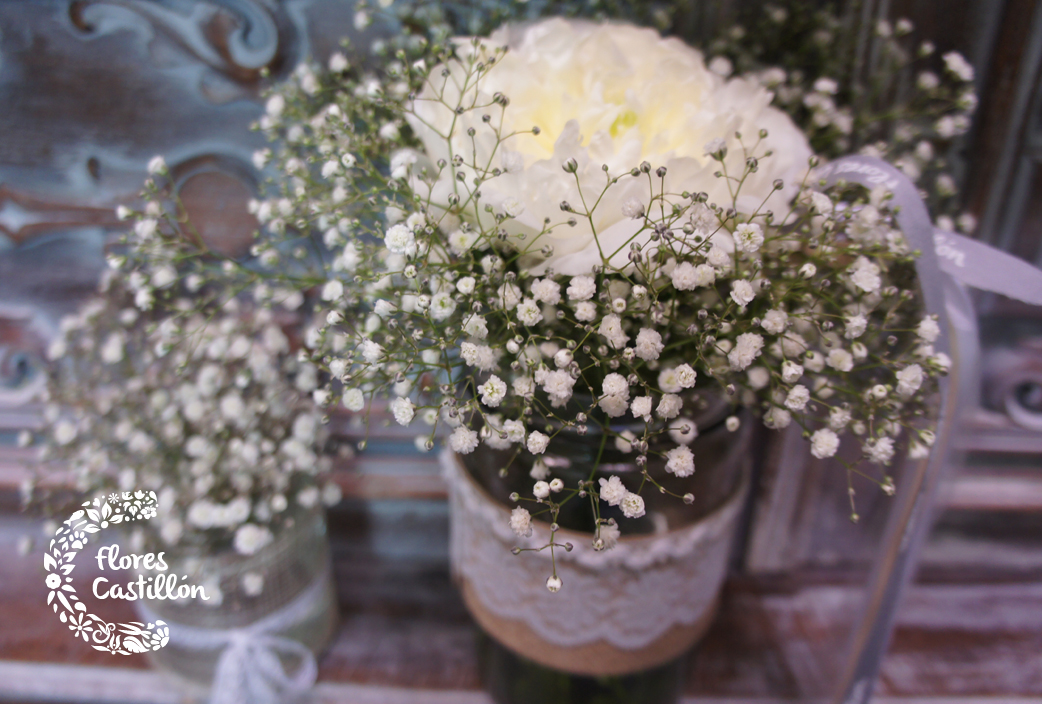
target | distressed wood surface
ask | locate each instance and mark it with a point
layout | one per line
(403, 624)
(93, 89)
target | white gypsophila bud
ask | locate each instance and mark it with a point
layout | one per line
(733, 423)
(612, 490)
(632, 505)
(791, 371)
(556, 485)
(775, 321)
(680, 461)
(546, 291)
(554, 583)
(537, 442)
(521, 522)
(824, 443)
(541, 490)
(797, 398)
(758, 377)
(742, 292)
(748, 237)
(808, 270)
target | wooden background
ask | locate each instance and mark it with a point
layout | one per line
(89, 91)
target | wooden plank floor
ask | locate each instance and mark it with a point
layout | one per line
(403, 628)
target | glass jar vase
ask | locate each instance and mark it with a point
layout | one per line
(624, 616)
(279, 602)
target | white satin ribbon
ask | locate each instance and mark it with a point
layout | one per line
(249, 670)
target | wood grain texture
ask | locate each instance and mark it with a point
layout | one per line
(404, 625)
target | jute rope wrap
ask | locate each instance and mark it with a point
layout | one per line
(638, 605)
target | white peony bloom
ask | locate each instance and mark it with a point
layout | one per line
(611, 94)
(521, 522)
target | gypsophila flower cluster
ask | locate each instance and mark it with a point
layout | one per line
(902, 101)
(221, 426)
(515, 284)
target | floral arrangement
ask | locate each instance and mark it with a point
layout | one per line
(573, 228)
(221, 428)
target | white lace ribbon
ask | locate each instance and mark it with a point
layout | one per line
(628, 597)
(249, 670)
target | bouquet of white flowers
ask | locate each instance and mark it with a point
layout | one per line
(575, 228)
(222, 428)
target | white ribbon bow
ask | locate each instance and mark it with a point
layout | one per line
(249, 670)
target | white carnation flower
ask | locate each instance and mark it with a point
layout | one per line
(661, 83)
